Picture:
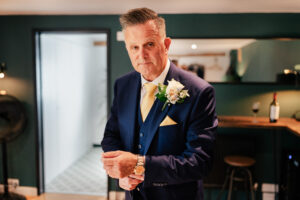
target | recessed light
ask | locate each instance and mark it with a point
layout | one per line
(194, 46)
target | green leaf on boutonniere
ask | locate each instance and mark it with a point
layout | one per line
(171, 94)
(161, 95)
(180, 101)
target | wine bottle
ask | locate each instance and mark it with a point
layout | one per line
(274, 109)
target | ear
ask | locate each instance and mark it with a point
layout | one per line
(167, 43)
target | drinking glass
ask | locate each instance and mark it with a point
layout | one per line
(255, 109)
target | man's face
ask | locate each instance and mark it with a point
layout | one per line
(147, 49)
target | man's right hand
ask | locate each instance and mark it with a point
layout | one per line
(130, 182)
(119, 164)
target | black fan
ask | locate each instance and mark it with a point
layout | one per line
(12, 123)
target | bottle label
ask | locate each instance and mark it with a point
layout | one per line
(274, 112)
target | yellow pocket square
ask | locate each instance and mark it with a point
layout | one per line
(167, 121)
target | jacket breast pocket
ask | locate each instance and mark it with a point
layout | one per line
(170, 139)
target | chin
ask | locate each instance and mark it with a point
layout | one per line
(144, 70)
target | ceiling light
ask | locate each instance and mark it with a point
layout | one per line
(194, 46)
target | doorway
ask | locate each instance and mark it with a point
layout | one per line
(72, 98)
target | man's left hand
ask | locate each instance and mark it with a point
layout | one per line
(119, 164)
(130, 182)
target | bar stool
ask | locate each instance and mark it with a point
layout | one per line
(237, 164)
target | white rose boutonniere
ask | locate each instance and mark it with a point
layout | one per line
(172, 93)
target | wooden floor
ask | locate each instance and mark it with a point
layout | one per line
(52, 196)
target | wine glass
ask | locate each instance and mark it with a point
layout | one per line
(255, 109)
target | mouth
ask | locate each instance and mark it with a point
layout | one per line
(145, 63)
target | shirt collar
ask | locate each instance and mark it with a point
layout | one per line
(161, 78)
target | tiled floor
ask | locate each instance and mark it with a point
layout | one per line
(50, 196)
(86, 176)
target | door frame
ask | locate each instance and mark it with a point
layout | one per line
(38, 112)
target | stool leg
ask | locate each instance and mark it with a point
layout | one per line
(251, 186)
(224, 184)
(245, 182)
(230, 185)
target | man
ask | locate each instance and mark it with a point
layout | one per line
(158, 150)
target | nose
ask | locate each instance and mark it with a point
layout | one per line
(143, 53)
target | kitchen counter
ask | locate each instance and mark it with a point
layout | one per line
(262, 122)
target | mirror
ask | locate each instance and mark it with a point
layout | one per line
(239, 60)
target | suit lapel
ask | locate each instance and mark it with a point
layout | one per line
(133, 103)
(152, 122)
(156, 115)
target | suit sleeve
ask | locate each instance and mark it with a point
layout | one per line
(111, 140)
(196, 160)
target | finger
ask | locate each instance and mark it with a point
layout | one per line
(112, 175)
(107, 167)
(138, 177)
(122, 186)
(108, 161)
(123, 183)
(128, 181)
(131, 188)
(132, 181)
(127, 187)
(111, 154)
(114, 172)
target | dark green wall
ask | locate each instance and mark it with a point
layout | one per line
(262, 60)
(16, 49)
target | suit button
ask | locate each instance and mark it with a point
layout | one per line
(140, 146)
(138, 189)
(141, 134)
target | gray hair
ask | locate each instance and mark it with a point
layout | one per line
(141, 16)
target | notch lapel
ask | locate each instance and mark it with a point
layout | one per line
(132, 104)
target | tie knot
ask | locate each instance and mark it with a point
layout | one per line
(150, 87)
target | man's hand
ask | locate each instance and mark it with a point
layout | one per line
(130, 182)
(119, 164)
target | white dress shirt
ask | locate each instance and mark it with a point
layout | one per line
(160, 79)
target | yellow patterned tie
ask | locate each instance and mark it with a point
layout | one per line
(148, 99)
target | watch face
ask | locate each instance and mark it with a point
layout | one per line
(139, 170)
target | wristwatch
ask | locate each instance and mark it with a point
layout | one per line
(139, 169)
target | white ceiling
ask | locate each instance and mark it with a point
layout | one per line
(81, 7)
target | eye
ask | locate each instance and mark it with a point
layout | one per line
(150, 44)
(134, 48)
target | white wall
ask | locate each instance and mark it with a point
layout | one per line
(74, 97)
(215, 67)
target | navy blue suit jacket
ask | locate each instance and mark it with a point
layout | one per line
(177, 156)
